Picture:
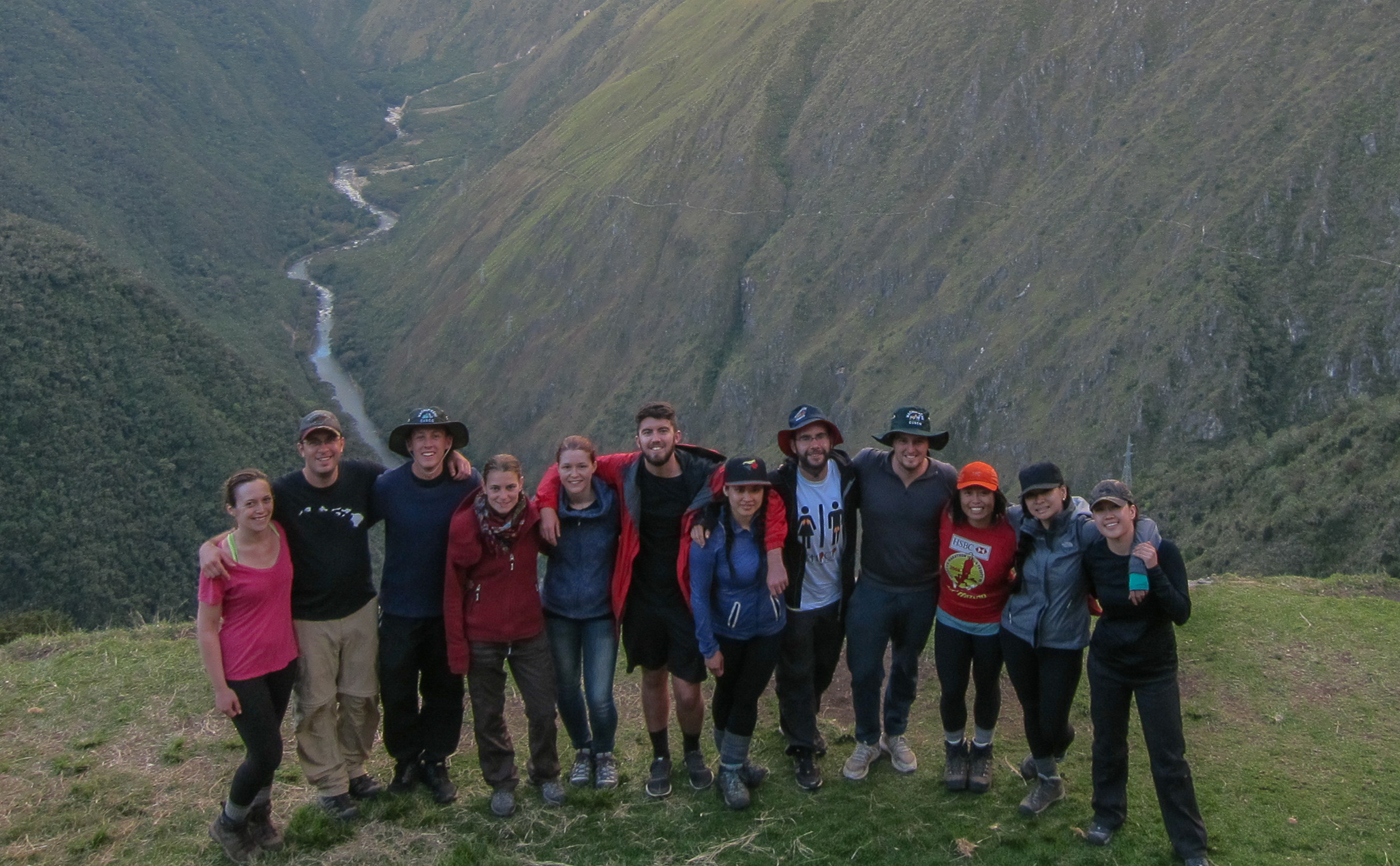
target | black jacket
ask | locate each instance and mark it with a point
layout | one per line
(784, 481)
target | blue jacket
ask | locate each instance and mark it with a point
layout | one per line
(578, 581)
(732, 603)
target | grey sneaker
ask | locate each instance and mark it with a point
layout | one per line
(264, 833)
(956, 765)
(733, 789)
(238, 845)
(502, 802)
(659, 780)
(979, 772)
(553, 793)
(581, 775)
(1098, 833)
(1042, 796)
(605, 770)
(902, 757)
(858, 764)
(701, 776)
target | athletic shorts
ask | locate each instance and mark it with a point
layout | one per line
(657, 637)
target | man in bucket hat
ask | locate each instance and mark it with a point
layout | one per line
(902, 492)
(416, 501)
(819, 489)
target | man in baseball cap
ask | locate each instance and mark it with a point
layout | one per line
(819, 489)
(893, 605)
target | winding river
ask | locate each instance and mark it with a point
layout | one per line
(347, 393)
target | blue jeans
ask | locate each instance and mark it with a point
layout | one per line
(877, 619)
(587, 648)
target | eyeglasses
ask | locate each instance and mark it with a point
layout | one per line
(807, 438)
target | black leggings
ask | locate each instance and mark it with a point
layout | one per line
(748, 666)
(264, 702)
(955, 653)
(1045, 681)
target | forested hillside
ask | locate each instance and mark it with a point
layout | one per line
(1057, 224)
(120, 421)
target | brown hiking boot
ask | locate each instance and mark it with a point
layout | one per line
(261, 830)
(955, 765)
(979, 773)
(233, 837)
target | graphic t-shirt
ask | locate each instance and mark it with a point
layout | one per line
(328, 533)
(256, 637)
(974, 581)
(664, 502)
(821, 527)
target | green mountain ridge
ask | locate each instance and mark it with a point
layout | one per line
(1058, 225)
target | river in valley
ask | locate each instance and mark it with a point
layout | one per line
(347, 393)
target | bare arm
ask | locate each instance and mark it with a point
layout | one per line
(214, 561)
(207, 629)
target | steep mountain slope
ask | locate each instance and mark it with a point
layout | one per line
(121, 419)
(1057, 224)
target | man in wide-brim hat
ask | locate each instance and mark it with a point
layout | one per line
(893, 605)
(429, 417)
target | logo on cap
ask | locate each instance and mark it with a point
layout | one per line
(916, 418)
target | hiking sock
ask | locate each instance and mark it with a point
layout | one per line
(263, 797)
(1046, 769)
(691, 741)
(719, 739)
(236, 814)
(954, 737)
(982, 736)
(735, 750)
(660, 743)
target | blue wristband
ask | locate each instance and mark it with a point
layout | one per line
(1137, 580)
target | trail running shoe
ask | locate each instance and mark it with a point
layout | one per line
(902, 757)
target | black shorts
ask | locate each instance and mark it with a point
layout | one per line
(662, 636)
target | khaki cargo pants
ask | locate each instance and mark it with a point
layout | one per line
(337, 697)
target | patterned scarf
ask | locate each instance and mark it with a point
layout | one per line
(498, 533)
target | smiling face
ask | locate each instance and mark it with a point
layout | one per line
(252, 506)
(428, 447)
(576, 473)
(979, 504)
(503, 490)
(658, 438)
(813, 446)
(1043, 505)
(1114, 521)
(744, 500)
(910, 453)
(321, 450)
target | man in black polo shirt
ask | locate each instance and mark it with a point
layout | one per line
(902, 492)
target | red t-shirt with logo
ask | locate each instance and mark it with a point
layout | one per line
(975, 569)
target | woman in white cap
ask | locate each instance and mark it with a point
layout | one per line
(1132, 656)
(739, 619)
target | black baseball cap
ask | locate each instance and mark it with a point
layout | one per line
(1041, 476)
(321, 419)
(745, 470)
(1114, 491)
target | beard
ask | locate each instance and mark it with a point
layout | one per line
(659, 458)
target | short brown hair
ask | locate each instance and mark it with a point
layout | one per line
(659, 409)
(577, 443)
(238, 479)
(502, 463)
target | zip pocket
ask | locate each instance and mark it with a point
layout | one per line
(734, 614)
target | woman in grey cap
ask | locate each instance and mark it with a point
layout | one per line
(1133, 656)
(1045, 624)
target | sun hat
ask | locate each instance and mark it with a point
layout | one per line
(913, 420)
(431, 416)
(805, 416)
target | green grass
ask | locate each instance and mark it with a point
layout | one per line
(112, 753)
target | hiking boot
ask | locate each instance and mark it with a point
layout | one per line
(407, 774)
(1098, 833)
(701, 776)
(1027, 768)
(979, 771)
(1198, 861)
(809, 775)
(365, 787)
(902, 757)
(502, 802)
(820, 746)
(435, 777)
(659, 780)
(339, 807)
(733, 789)
(858, 764)
(234, 838)
(261, 830)
(553, 793)
(956, 765)
(581, 775)
(1047, 792)
(604, 770)
(753, 774)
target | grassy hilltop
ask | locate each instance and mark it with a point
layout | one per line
(114, 754)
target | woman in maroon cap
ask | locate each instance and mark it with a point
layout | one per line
(978, 550)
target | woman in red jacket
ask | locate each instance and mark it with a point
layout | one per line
(979, 548)
(491, 606)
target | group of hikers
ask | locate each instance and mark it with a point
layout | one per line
(703, 566)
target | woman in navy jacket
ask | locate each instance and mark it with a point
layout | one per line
(1133, 655)
(739, 618)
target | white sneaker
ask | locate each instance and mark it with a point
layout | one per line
(902, 758)
(858, 764)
